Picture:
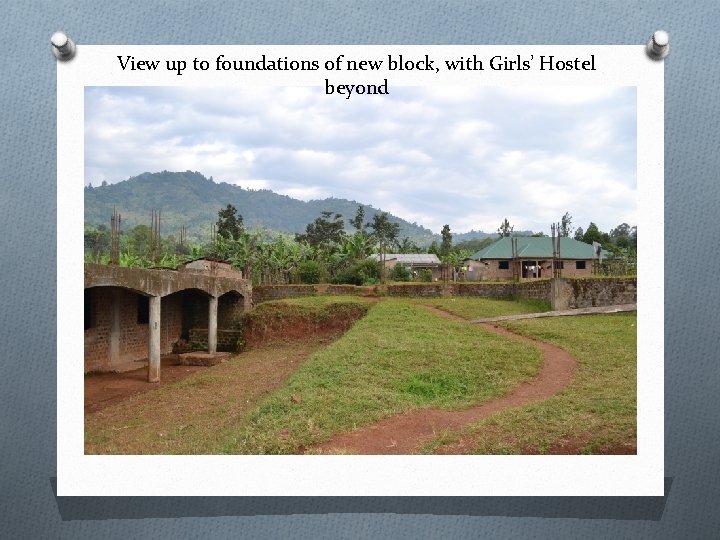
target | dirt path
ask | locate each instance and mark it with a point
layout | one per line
(405, 433)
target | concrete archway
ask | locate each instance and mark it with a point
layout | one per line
(154, 292)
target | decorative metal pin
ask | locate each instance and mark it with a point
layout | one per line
(659, 45)
(62, 46)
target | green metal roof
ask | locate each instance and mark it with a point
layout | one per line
(535, 247)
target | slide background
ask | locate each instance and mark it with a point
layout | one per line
(28, 508)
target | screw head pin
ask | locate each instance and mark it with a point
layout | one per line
(62, 46)
(659, 45)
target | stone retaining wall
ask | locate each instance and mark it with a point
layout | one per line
(264, 293)
(563, 293)
(592, 292)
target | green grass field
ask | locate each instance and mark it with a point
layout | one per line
(480, 308)
(285, 396)
(398, 357)
(596, 413)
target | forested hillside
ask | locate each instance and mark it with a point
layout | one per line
(190, 199)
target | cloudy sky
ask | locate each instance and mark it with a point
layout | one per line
(465, 156)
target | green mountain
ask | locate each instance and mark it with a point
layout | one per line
(188, 198)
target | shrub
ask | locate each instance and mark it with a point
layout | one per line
(426, 276)
(400, 273)
(361, 273)
(311, 272)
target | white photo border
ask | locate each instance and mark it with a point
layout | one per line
(93, 475)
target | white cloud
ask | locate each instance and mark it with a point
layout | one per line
(468, 157)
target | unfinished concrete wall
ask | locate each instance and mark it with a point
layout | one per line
(215, 268)
(154, 282)
(117, 338)
(133, 312)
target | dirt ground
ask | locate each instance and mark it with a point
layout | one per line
(105, 389)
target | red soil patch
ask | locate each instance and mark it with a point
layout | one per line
(288, 323)
(105, 389)
(405, 433)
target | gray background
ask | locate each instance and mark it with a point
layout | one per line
(28, 507)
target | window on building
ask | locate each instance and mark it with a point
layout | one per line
(143, 309)
(88, 309)
(561, 265)
(504, 265)
(580, 265)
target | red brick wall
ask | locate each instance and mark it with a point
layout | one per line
(133, 337)
(490, 269)
(97, 337)
(230, 311)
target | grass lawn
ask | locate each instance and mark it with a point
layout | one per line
(398, 357)
(480, 308)
(595, 414)
(317, 302)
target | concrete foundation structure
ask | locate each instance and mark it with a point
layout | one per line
(136, 315)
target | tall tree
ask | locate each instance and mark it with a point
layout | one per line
(621, 235)
(592, 234)
(357, 221)
(325, 232)
(137, 241)
(386, 234)
(566, 225)
(446, 244)
(229, 223)
(505, 229)
(408, 246)
(445, 249)
(361, 240)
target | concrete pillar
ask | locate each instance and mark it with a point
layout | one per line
(212, 324)
(154, 340)
(115, 330)
(560, 292)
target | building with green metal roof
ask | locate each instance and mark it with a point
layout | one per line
(533, 258)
